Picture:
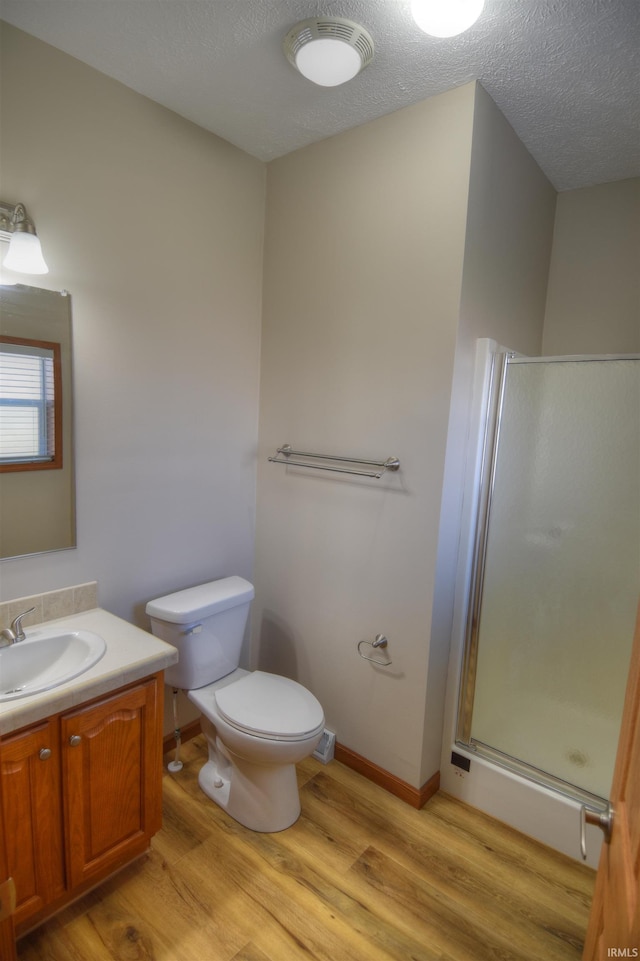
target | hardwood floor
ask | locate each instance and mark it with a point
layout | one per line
(361, 876)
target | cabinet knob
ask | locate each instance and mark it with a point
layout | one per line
(74, 740)
(44, 753)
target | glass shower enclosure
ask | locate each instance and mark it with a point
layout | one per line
(556, 571)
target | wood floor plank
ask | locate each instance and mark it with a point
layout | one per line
(468, 835)
(250, 953)
(300, 910)
(190, 918)
(455, 890)
(525, 863)
(58, 940)
(361, 876)
(474, 935)
(422, 847)
(485, 833)
(184, 825)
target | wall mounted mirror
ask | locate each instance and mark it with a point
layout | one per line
(37, 477)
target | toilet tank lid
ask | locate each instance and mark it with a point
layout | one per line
(196, 603)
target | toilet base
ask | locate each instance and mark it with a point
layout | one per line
(263, 798)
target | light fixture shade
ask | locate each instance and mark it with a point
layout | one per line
(446, 18)
(25, 254)
(328, 51)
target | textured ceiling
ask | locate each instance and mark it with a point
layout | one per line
(566, 73)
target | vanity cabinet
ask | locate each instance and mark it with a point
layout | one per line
(81, 796)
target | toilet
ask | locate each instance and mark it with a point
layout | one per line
(258, 725)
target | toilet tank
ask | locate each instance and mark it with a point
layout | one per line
(206, 624)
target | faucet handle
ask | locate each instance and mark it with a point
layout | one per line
(16, 624)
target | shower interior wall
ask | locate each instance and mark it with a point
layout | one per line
(389, 250)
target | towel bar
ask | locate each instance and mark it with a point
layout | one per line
(391, 463)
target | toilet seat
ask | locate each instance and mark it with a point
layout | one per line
(270, 706)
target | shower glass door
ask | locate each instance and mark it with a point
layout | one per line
(559, 572)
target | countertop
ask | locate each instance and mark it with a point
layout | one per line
(131, 654)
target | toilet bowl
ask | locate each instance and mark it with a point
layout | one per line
(258, 726)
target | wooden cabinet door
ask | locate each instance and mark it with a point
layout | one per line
(32, 808)
(112, 775)
(7, 938)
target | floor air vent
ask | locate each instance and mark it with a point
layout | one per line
(325, 749)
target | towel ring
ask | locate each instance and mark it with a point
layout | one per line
(380, 641)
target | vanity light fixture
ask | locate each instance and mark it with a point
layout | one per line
(328, 50)
(25, 253)
(445, 18)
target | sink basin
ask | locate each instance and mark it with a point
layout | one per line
(46, 659)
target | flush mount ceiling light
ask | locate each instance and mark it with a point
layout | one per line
(446, 18)
(25, 253)
(328, 50)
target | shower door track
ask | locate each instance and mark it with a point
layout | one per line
(534, 774)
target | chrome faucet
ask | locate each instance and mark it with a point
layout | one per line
(9, 635)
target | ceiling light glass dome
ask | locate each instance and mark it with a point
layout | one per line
(446, 18)
(328, 51)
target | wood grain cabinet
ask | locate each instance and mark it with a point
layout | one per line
(33, 817)
(81, 796)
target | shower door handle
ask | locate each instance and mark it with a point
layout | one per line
(601, 819)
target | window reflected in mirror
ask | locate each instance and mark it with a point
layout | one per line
(30, 404)
(37, 482)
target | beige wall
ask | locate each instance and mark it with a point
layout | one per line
(364, 252)
(510, 221)
(364, 265)
(156, 229)
(593, 305)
